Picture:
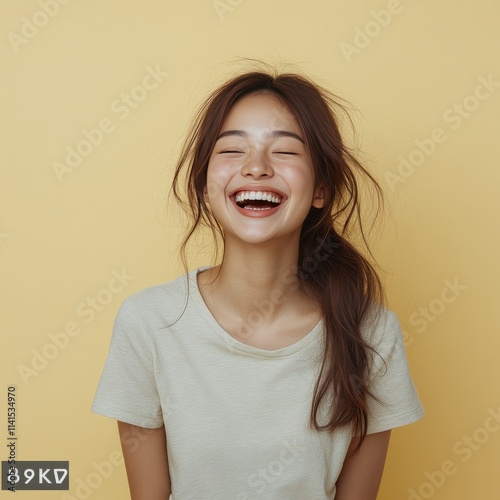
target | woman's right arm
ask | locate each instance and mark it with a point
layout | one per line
(145, 455)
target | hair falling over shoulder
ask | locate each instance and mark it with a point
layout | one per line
(330, 268)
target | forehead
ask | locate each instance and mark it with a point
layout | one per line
(260, 110)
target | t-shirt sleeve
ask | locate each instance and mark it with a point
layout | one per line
(127, 389)
(391, 380)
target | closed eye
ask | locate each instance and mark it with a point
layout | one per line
(285, 153)
(230, 151)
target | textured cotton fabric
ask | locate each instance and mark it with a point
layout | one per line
(236, 416)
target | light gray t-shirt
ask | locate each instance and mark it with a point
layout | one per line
(236, 416)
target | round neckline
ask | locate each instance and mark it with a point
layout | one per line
(195, 294)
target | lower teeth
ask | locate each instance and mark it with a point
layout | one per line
(249, 207)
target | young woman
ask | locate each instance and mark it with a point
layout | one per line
(278, 373)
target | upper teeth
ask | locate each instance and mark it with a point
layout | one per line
(258, 195)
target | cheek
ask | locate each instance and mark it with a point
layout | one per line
(218, 176)
(300, 179)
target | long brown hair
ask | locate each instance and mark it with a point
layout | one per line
(330, 268)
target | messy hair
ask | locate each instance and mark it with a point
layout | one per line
(330, 268)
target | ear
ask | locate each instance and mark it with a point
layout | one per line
(319, 197)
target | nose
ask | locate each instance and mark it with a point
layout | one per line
(257, 165)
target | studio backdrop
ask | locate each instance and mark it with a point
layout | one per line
(96, 97)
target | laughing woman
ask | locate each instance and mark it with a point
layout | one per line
(278, 373)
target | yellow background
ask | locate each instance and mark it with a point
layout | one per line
(61, 240)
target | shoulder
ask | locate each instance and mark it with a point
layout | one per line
(396, 400)
(156, 307)
(382, 332)
(381, 325)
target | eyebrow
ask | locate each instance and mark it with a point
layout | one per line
(273, 134)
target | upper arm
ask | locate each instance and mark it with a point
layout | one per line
(145, 455)
(361, 474)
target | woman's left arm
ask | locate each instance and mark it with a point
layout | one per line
(361, 474)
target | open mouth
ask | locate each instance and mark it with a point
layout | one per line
(257, 200)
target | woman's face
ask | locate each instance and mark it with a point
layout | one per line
(260, 178)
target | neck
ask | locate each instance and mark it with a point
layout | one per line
(258, 279)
